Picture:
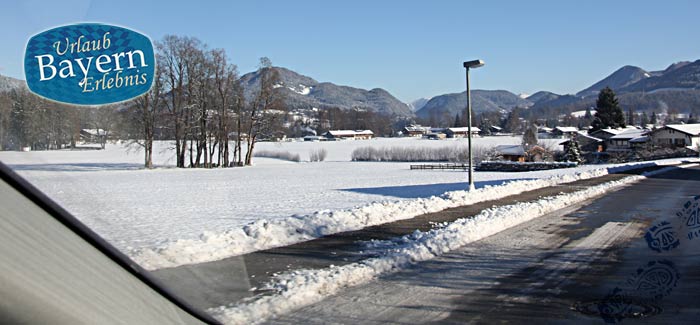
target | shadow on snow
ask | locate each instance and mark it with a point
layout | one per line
(425, 190)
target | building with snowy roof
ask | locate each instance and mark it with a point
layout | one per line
(627, 139)
(544, 129)
(586, 143)
(564, 131)
(461, 132)
(605, 134)
(415, 130)
(495, 129)
(677, 135)
(511, 152)
(94, 135)
(349, 134)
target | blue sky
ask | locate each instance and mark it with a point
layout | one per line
(411, 48)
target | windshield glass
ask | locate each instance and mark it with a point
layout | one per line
(363, 162)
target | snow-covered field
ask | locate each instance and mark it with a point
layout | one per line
(139, 209)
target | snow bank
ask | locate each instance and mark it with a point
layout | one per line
(304, 287)
(265, 234)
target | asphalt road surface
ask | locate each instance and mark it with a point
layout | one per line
(631, 256)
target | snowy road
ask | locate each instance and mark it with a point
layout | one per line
(541, 270)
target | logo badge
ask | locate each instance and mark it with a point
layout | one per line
(89, 64)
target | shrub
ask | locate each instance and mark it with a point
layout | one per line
(418, 154)
(318, 155)
(283, 155)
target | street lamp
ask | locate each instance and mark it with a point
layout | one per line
(470, 65)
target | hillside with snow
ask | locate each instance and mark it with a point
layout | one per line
(303, 92)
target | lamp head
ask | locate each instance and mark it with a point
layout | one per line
(473, 64)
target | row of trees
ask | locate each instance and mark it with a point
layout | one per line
(28, 121)
(197, 101)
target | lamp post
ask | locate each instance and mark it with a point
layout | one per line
(470, 65)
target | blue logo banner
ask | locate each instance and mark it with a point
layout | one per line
(89, 64)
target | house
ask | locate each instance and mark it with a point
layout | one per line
(93, 135)
(639, 142)
(513, 152)
(586, 143)
(677, 135)
(495, 129)
(461, 132)
(349, 134)
(415, 131)
(605, 134)
(491, 130)
(544, 132)
(621, 141)
(434, 136)
(437, 130)
(564, 131)
(314, 138)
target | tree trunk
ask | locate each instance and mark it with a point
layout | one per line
(238, 147)
(191, 156)
(180, 146)
(249, 154)
(148, 145)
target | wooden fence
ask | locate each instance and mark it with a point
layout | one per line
(441, 166)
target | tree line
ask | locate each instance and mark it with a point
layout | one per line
(29, 121)
(197, 101)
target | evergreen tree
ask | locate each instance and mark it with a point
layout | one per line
(512, 123)
(573, 151)
(485, 127)
(458, 121)
(653, 119)
(587, 119)
(608, 112)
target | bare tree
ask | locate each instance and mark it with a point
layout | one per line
(224, 78)
(5, 119)
(238, 106)
(266, 107)
(199, 89)
(148, 107)
(26, 120)
(176, 56)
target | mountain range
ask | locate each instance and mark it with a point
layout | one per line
(482, 100)
(676, 87)
(302, 92)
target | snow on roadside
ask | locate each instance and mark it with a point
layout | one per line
(265, 234)
(304, 287)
